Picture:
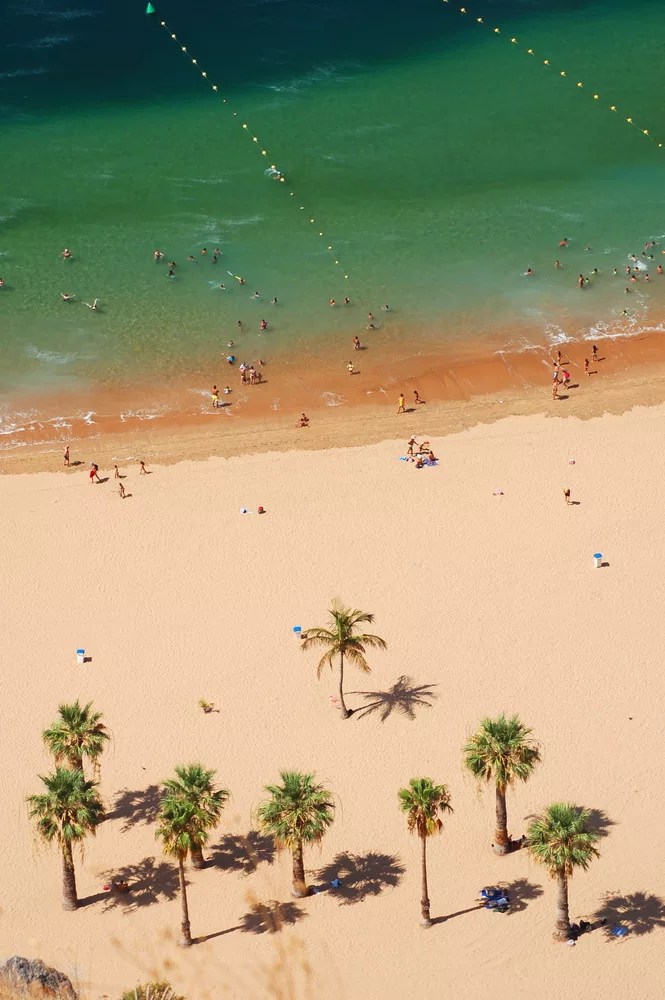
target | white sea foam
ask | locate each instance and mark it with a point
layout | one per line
(332, 398)
(50, 357)
(13, 74)
(47, 42)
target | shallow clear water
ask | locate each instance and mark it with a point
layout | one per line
(439, 160)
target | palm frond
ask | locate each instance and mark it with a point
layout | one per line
(422, 801)
(561, 839)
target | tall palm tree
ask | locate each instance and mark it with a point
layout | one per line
(178, 831)
(77, 733)
(194, 784)
(562, 841)
(298, 812)
(341, 639)
(68, 811)
(501, 751)
(422, 802)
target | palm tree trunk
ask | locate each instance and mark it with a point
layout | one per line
(185, 939)
(344, 710)
(501, 842)
(424, 897)
(562, 931)
(300, 887)
(75, 761)
(69, 896)
(198, 861)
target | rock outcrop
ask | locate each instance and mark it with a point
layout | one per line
(20, 977)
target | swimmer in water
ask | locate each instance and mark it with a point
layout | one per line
(241, 281)
(158, 255)
(256, 295)
(223, 287)
(659, 269)
(557, 264)
(66, 297)
(66, 254)
(563, 242)
(92, 305)
(172, 264)
(204, 251)
(580, 281)
(273, 302)
(191, 258)
(347, 302)
(171, 273)
(332, 302)
(263, 325)
(386, 308)
(529, 271)
(356, 344)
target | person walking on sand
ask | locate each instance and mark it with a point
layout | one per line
(350, 369)
(566, 496)
(416, 397)
(566, 378)
(586, 368)
(555, 389)
(594, 354)
(356, 344)
(401, 408)
(66, 456)
(116, 474)
(94, 473)
(411, 443)
(121, 490)
(143, 471)
(214, 397)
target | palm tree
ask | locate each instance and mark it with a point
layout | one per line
(179, 830)
(67, 812)
(561, 840)
(77, 733)
(341, 640)
(298, 812)
(501, 751)
(422, 802)
(194, 784)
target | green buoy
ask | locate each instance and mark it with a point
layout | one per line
(150, 9)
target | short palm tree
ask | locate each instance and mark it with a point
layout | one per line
(501, 751)
(67, 811)
(562, 841)
(78, 733)
(194, 784)
(298, 812)
(178, 829)
(422, 802)
(341, 639)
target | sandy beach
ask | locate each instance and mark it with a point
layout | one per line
(487, 602)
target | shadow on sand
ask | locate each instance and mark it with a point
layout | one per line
(361, 875)
(404, 697)
(238, 853)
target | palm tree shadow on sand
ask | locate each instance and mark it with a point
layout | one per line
(135, 886)
(242, 853)
(520, 892)
(263, 917)
(640, 912)
(137, 806)
(404, 697)
(361, 875)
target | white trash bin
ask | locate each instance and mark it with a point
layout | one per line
(80, 655)
(598, 559)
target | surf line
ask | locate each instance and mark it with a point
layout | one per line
(563, 73)
(272, 171)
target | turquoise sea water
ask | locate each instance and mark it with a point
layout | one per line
(439, 160)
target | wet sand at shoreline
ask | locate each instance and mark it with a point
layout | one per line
(343, 409)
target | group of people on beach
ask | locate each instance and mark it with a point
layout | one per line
(561, 375)
(94, 477)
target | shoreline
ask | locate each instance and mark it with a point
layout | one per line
(460, 392)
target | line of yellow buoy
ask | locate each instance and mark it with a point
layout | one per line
(562, 72)
(334, 256)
